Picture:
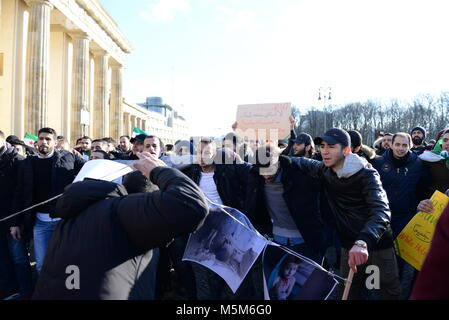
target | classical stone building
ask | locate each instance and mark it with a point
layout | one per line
(170, 127)
(61, 64)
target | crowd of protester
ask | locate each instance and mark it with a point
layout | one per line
(331, 198)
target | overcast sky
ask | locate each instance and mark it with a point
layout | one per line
(205, 57)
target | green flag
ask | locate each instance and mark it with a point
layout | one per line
(29, 139)
(138, 131)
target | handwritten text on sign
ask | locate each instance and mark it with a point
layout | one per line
(413, 243)
(264, 121)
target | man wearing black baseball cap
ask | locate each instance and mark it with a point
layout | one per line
(359, 207)
(137, 143)
(303, 146)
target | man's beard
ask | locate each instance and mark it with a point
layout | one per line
(300, 154)
(45, 150)
(417, 141)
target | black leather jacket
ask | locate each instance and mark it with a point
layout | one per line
(358, 203)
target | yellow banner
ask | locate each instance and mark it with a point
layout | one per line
(413, 243)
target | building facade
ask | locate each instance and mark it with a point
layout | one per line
(167, 125)
(61, 64)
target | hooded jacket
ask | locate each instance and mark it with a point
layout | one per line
(108, 235)
(359, 204)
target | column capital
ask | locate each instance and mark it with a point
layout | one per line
(79, 35)
(99, 53)
(41, 2)
(116, 66)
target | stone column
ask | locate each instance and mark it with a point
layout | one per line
(116, 107)
(126, 127)
(101, 95)
(133, 122)
(144, 125)
(38, 65)
(80, 83)
(138, 124)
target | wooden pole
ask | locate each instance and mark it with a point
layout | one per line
(348, 284)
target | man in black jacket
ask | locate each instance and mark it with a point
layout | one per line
(15, 271)
(284, 203)
(102, 249)
(360, 209)
(41, 178)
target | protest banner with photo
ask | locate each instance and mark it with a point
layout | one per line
(293, 277)
(413, 243)
(266, 122)
(227, 244)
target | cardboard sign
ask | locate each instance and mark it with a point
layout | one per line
(267, 122)
(413, 243)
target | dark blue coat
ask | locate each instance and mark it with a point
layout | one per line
(405, 186)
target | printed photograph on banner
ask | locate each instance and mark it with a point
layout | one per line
(225, 246)
(289, 277)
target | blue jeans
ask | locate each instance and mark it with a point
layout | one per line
(15, 270)
(42, 232)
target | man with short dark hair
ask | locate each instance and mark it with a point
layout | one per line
(406, 181)
(15, 271)
(41, 178)
(84, 147)
(111, 144)
(153, 145)
(99, 144)
(360, 210)
(385, 144)
(125, 144)
(99, 155)
(183, 147)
